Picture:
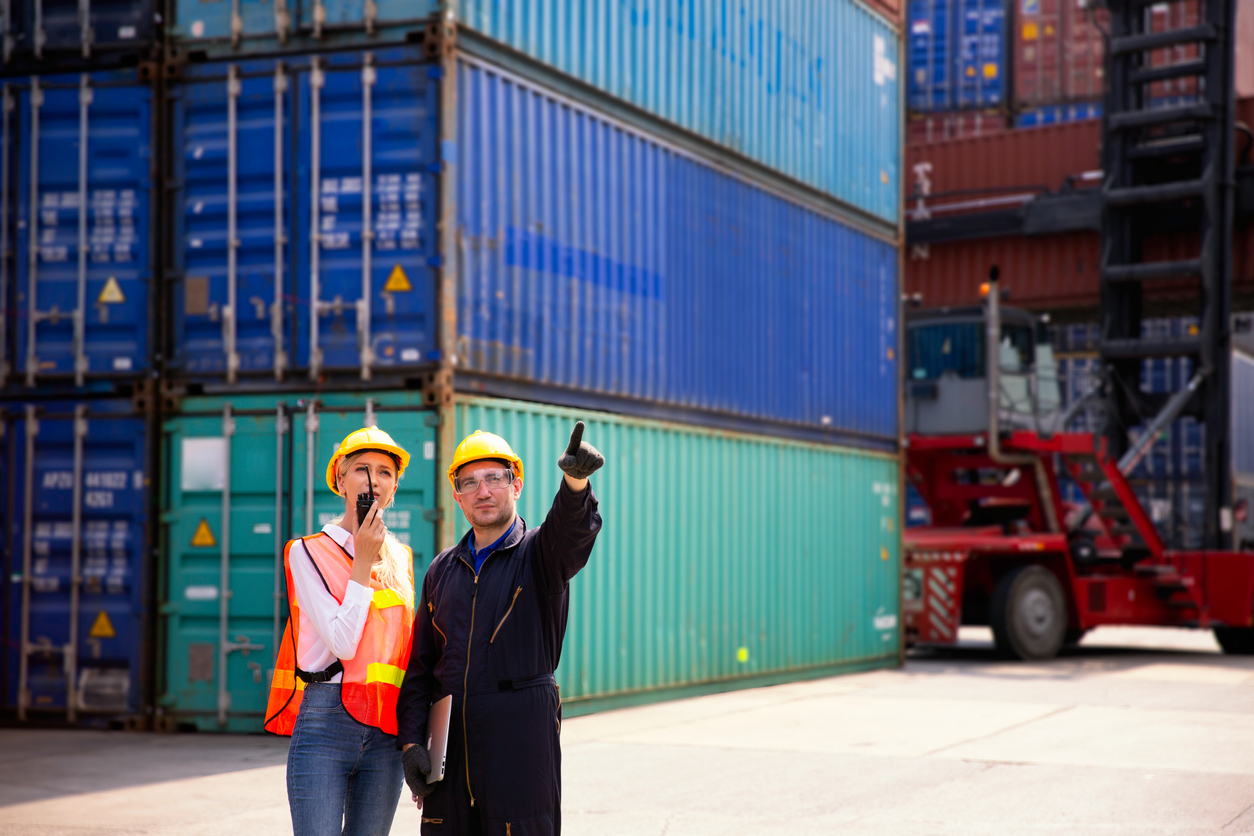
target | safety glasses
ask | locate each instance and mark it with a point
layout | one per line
(496, 480)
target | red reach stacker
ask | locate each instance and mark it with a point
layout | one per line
(1002, 548)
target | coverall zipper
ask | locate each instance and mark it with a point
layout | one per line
(466, 684)
(507, 612)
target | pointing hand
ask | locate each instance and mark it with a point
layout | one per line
(581, 459)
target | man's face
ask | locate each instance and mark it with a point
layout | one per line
(486, 506)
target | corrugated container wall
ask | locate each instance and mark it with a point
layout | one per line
(296, 158)
(52, 33)
(223, 602)
(595, 258)
(808, 89)
(723, 588)
(74, 514)
(83, 149)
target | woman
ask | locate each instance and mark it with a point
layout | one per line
(351, 591)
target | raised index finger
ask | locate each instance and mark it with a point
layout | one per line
(576, 437)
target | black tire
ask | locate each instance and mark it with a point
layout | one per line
(1028, 613)
(1236, 641)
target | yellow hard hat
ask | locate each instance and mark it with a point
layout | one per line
(358, 441)
(480, 445)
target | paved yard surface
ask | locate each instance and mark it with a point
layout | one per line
(1135, 732)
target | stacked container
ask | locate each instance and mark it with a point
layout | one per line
(78, 193)
(679, 225)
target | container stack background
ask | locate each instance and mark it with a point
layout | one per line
(678, 222)
(959, 173)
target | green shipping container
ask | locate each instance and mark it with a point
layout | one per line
(726, 561)
(259, 453)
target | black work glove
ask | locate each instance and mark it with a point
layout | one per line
(417, 768)
(581, 459)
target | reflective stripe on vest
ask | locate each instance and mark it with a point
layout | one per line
(372, 678)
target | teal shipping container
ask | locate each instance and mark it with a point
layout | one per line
(806, 89)
(259, 461)
(725, 560)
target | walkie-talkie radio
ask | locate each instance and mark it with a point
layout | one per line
(364, 501)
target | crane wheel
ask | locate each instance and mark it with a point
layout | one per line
(1236, 641)
(1028, 613)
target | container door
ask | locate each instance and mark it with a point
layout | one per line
(225, 502)
(78, 510)
(83, 225)
(368, 248)
(412, 517)
(232, 123)
(59, 25)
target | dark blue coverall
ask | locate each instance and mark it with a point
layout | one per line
(493, 641)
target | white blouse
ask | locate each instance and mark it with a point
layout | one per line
(329, 630)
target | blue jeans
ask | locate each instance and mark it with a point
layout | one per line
(343, 777)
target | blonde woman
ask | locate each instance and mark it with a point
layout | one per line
(343, 657)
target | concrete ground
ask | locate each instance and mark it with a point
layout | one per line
(1135, 732)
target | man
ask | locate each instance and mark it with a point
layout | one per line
(488, 630)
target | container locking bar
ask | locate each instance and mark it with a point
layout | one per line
(86, 33)
(6, 108)
(237, 24)
(280, 236)
(281, 425)
(282, 20)
(80, 312)
(34, 315)
(315, 201)
(70, 656)
(311, 444)
(229, 317)
(6, 36)
(41, 37)
(366, 352)
(28, 523)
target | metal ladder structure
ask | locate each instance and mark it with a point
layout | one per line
(1168, 170)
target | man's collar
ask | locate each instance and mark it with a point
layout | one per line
(512, 538)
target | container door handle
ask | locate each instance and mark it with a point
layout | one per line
(28, 522)
(34, 315)
(280, 237)
(229, 315)
(70, 655)
(315, 198)
(41, 37)
(86, 34)
(80, 310)
(224, 571)
(365, 350)
(281, 425)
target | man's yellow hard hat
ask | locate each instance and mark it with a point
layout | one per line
(358, 441)
(480, 445)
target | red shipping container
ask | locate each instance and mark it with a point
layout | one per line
(891, 9)
(1058, 52)
(922, 129)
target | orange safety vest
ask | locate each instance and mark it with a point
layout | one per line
(372, 678)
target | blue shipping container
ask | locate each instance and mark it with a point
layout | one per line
(807, 89)
(75, 491)
(957, 55)
(47, 29)
(82, 262)
(1057, 114)
(288, 160)
(595, 258)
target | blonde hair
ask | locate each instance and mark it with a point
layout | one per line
(393, 565)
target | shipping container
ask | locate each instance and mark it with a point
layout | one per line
(595, 258)
(1057, 114)
(805, 89)
(957, 55)
(74, 511)
(77, 176)
(698, 591)
(590, 257)
(1058, 52)
(259, 460)
(926, 128)
(43, 34)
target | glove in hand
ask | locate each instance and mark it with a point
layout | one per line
(417, 768)
(581, 459)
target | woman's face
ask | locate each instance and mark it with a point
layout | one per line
(370, 468)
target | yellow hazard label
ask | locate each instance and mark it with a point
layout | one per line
(397, 281)
(990, 71)
(102, 627)
(204, 535)
(111, 293)
(1030, 31)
